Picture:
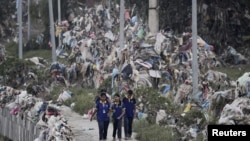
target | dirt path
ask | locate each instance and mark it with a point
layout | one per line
(78, 125)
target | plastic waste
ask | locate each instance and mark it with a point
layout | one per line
(188, 108)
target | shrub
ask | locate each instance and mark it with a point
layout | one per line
(83, 99)
(11, 69)
(2, 138)
(153, 102)
(154, 132)
(55, 92)
(12, 49)
(191, 118)
(106, 84)
(140, 125)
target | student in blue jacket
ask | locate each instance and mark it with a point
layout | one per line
(129, 103)
(118, 113)
(102, 109)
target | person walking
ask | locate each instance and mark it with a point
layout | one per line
(108, 97)
(102, 109)
(129, 103)
(118, 113)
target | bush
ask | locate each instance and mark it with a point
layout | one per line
(83, 99)
(11, 69)
(106, 84)
(154, 132)
(140, 125)
(152, 97)
(31, 45)
(11, 49)
(191, 118)
(55, 92)
(2, 138)
(152, 102)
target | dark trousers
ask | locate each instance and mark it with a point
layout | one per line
(128, 121)
(117, 123)
(103, 129)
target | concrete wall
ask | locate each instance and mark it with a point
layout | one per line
(16, 129)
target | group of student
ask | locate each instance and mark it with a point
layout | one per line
(121, 109)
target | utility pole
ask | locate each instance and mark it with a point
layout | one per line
(194, 48)
(59, 21)
(109, 4)
(28, 19)
(122, 11)
(121, 34)
(52, 31)
(20, 23)
(153, 16)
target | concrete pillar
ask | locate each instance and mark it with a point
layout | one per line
(153, 16)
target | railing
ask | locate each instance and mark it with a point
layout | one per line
(17, 129)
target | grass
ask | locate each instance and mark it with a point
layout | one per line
(12, 50)
(153, 132)
(234, 72)
(2, 138)
(83, 99)
(47, 54)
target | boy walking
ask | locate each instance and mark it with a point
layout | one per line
(129, 103)
(118, 113)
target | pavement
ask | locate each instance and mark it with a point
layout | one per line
(80, 126)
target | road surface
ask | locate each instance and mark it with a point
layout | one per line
(79, 125)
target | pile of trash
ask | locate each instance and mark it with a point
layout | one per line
(46, 116)
(90, 43)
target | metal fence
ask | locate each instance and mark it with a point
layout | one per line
(15, 128)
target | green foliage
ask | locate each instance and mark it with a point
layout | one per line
(106, 84)
(14, 68)
(46, 54)
(172, 108)
(83, 99)
(153, 102)
(154, 132)
(44, 8)
(34, 10)
(191, 118)
(235, 71)
(31, 45)
(11, 49)
(6, 7)
(2, 138)
(55, 92)
(152, 97)
(140, 125)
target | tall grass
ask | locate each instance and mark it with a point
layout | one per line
(83, 99)
(234, 72)
(153, 132)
